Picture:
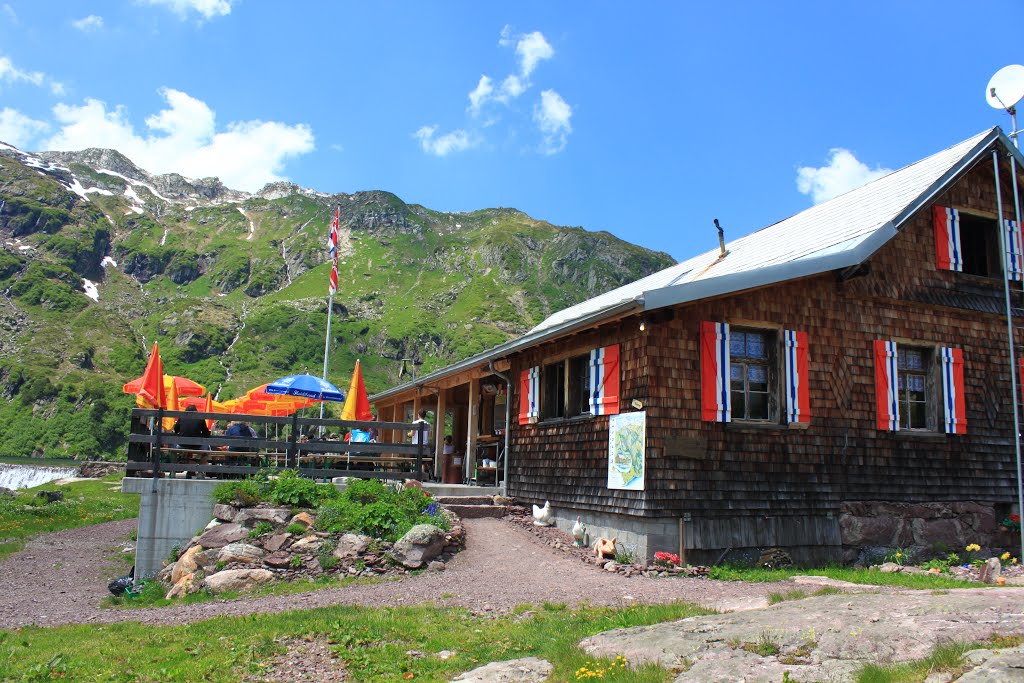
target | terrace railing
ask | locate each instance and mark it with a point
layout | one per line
(152, 452)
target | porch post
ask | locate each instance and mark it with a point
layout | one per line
(473, 414)
(442, 406)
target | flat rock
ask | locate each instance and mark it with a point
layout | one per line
(525, 670)
(833, 635)
(994, 666)
(237, 580)
(303, 518)
(276, 516)
(222, 535)
(307, 544)
(351, 546)
(276, 542)
(278, 560)
(225, 513)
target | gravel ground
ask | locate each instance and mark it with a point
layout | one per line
(61, 579)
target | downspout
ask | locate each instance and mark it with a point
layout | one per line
(508, 423)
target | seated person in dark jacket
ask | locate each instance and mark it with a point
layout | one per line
(191, 426)
(240, 430)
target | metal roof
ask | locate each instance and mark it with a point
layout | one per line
(838, 233)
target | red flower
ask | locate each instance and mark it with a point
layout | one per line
(1015, 518)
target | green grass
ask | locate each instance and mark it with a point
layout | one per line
(372, 644)
(153, 592)
(85, 503)
(859, 576)
(798, 594)
(946, 658)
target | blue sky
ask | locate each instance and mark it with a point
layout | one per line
(646, 120)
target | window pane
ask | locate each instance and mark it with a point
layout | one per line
(910, 359)
(738, 405)
(757, 377)
(758, 406)
(918, 416)
(579, 386)
(755, 345)
(736, 375)
(737, 344)
(915, 387)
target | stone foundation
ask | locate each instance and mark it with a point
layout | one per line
(925, 529)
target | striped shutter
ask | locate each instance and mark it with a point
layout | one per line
(529, 392)
(716, 400)
(886, 392)
(1014, 257)
(947, 238)
(953, 390)
(603, 380)
(798, 395)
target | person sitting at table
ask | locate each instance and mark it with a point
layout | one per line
(191, 426)
(240, 430)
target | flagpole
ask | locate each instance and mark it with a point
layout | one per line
(330, 298)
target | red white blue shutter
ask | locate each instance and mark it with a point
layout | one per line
(603, 380)
(1014, 256)
(716, 399)
(529, 391)
(953, 400)
(886, 391)
(947, 238)
(798, 395)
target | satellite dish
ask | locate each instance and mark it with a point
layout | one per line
(1006, 88)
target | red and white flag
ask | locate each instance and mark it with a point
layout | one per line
(332, 239)
(334, 277)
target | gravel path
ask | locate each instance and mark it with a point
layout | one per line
(62, 577)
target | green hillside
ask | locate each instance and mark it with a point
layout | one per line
(234, 287)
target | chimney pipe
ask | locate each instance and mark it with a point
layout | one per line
(721, 240)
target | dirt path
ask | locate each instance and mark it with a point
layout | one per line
(61, 578)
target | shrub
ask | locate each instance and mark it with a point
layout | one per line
(296, 529)
(244, 492)
(260, 529)
(369, 507)
(292, 489)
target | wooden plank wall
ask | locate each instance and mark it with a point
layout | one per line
(727, 471)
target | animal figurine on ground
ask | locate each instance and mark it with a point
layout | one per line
(605, 548)
(542, 516)
(579, 532)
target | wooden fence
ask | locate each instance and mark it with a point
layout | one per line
(156, 453)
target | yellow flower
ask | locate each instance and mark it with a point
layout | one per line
(974, 547)
(1013, 561)
(1005, 556)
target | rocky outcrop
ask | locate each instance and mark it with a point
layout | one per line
(525, 670)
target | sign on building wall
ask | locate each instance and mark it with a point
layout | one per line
(627, 439)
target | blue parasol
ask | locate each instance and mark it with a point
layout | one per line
(307, 386)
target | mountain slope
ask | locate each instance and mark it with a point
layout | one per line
(101, 258)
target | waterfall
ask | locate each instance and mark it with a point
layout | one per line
(27, 476)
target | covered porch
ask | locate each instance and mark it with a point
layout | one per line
(470, 406)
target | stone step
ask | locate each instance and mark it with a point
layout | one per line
(465, 500)
(477, 511)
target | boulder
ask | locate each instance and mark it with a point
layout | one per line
(182, 587)
(351, 546)
(165, 573)
(307, 544)
(225, 513)
(276, 542)
(278, 560)
(243, 553)
(420, 545)
(186, 564)
(303, 518)
(276, 516)
(207, 560)
(220, 536)
(232, 580)
(525, 670)
(889, 568)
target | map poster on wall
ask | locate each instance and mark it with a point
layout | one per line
(627, 438)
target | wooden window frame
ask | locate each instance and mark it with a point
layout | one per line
(565, 393)
(932, 388)
(773, 338)
(993, 257)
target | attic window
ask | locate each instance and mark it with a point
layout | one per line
(979, 242)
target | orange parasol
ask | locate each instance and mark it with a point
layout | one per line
(172, 404)
(357, 403)
(183, 385)
(150, 392)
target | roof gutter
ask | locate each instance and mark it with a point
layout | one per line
(636, 304)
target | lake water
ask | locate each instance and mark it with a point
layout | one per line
(27, 476)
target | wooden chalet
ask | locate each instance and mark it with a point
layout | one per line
(833, 384)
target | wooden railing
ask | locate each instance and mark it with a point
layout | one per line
(156, 453)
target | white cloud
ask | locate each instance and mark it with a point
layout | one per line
(532, 49)
(552, 116)
(184, 139)
(456, 141)
(207, 8)
(480, 94)
(842, 173)
(9, 12)
(12, 74)
(93, 22)
(18, 129)
(506, 36)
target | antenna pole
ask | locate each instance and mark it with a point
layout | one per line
(1009, 325)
